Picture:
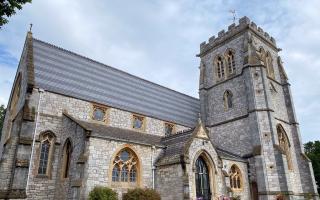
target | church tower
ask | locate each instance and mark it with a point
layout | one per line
(247, 106)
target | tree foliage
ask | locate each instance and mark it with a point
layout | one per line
(8, 8)
(312, 150)
(2, 115)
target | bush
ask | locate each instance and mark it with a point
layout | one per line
(141, 194)
(103, 193)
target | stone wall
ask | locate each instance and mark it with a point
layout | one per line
(98, 170)
(169, 182)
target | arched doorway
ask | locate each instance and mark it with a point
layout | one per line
(203, 191)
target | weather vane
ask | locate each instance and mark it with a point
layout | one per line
(30, 27)
(233, 12)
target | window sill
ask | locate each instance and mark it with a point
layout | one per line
(43, 176)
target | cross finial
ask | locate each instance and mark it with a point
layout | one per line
(30, 29)
(233, 12)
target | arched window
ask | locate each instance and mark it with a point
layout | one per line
(47, 140)
(202, 179)
(235, 178)
(66, 158)
(125, 167)
(230, 62)
(284, 145)
(227, 100)
(269, 65)
(220, 68)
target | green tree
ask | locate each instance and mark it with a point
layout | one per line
(8, 8)
(2, 115)
(312, 150)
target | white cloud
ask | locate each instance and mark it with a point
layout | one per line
(158, 40)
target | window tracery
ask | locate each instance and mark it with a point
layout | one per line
(125, 167)
(269, 65)
(45, 153)
(284, 145)
(231, 62)
(220, 68)
(99, 113)
(138, 122)
(169, 128)
(235, 178)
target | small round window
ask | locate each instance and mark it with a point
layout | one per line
(98, 114)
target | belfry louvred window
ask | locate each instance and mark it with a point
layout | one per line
(125, 167)
(284, 145)
(231, 63)
(220, 68)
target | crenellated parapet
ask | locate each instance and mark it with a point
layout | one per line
(233, 30)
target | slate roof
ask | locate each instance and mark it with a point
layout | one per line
(64, 72)
(174, 147)
(119, 134)
(229, 156)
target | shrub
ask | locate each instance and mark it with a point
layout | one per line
(103, 193)
(141, 194)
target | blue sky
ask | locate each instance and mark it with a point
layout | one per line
(158, 40)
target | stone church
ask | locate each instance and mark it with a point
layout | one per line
(74, 123)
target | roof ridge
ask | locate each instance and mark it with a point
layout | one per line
(179, 133)
(119, 70)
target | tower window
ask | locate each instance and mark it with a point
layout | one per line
(169, 128)
(269, 65)
(125, 167)
(284, 145)
(235, 178)
(220, 68)
(231, 62)
(227, 100)
(138, 122)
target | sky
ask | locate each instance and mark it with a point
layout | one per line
(158, 40)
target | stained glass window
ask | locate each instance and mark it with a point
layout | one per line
(138, 122)
(169, 128)
(202, 180)
(133, 174)
(235, 177)
(99, 114)
(125, 167)
(220, 68)
(44, 157)
(115, 173)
